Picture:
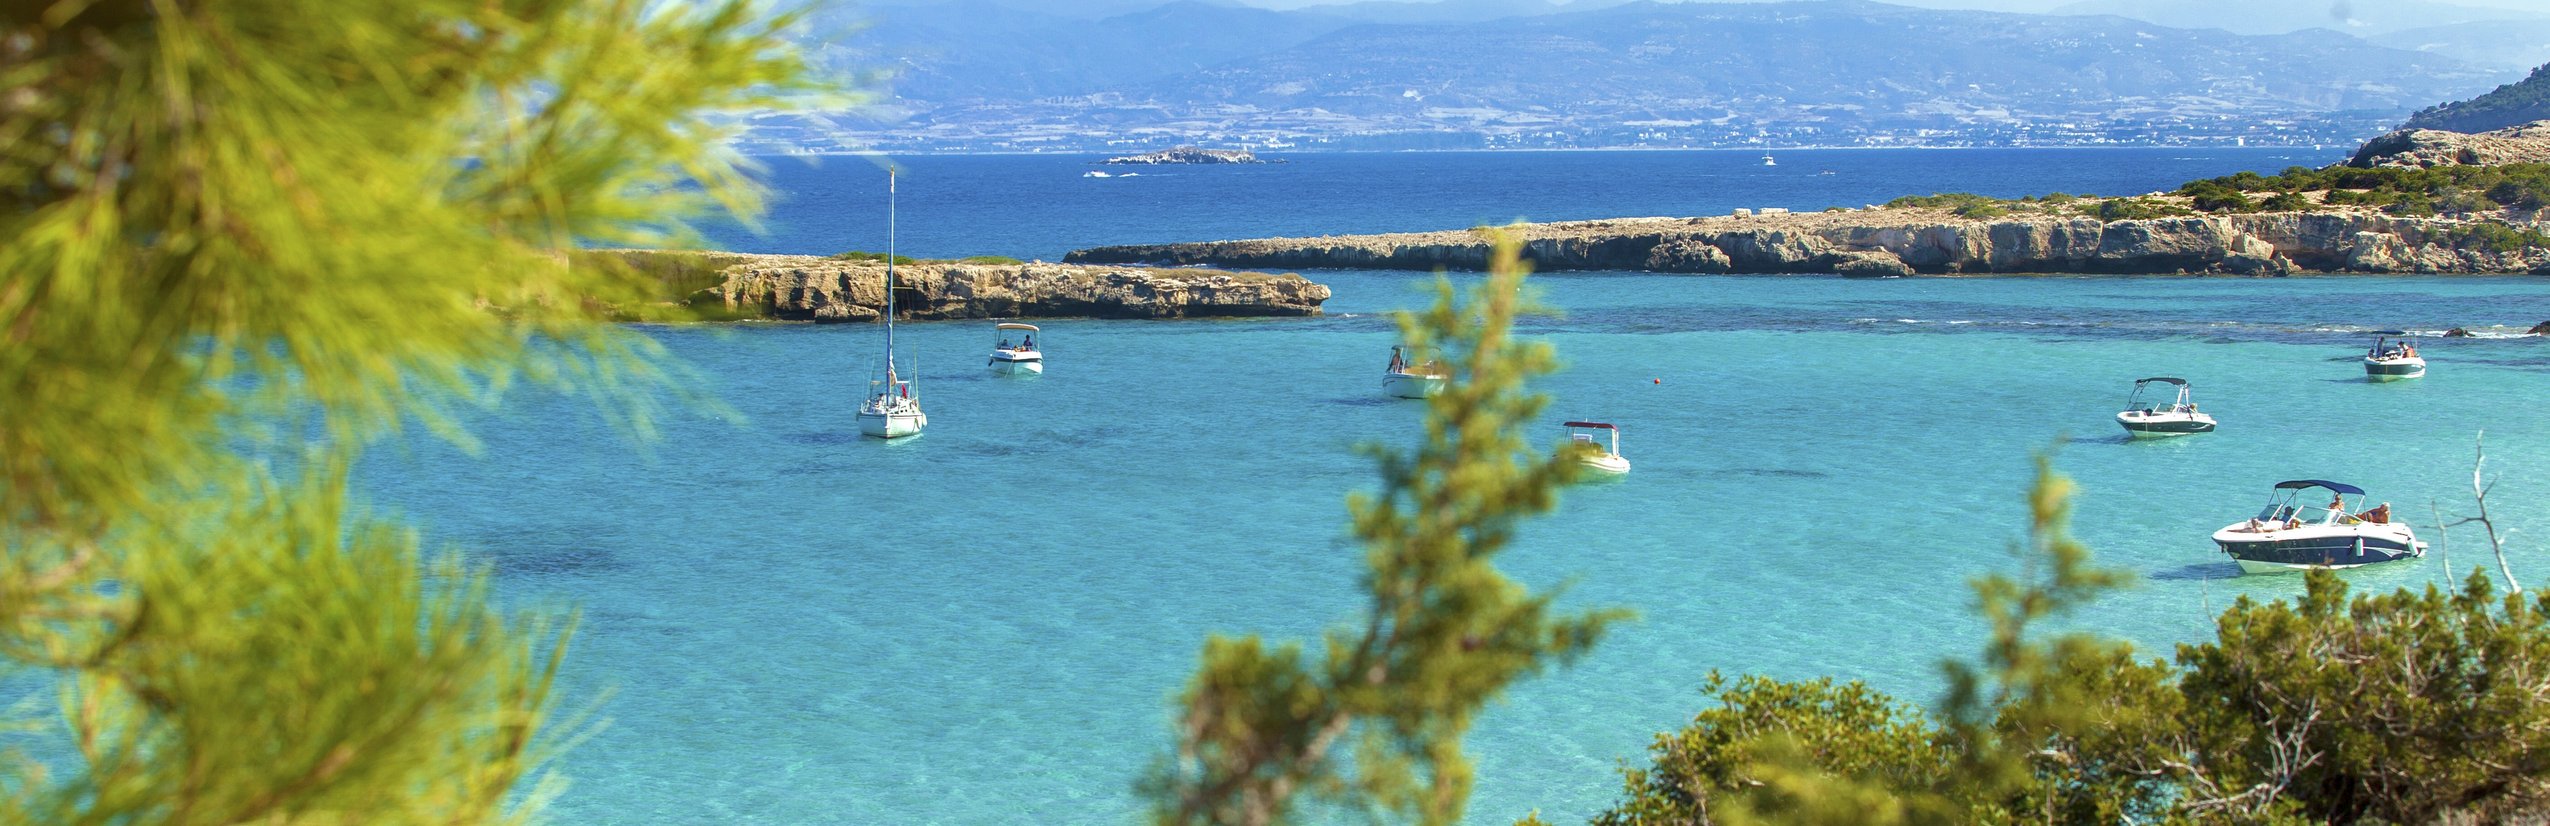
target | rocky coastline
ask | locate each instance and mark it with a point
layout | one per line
(1908, 241)
(813, 288)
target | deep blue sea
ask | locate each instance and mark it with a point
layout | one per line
(784, 623)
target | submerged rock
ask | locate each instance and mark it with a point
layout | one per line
(2541, 329)
(2457, 333)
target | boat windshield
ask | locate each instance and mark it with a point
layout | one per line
(2285, 509)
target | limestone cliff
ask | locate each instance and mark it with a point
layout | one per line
(1881, 242)
(806, 287)
(2524, 143)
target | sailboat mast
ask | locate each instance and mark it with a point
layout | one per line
(889, 278)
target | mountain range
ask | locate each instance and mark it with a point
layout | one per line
(995, 75)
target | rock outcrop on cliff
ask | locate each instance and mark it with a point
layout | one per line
(804, 287)
(2526, 143)
(1905, 241)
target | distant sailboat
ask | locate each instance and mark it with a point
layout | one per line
(892, 410)
(1767, 160)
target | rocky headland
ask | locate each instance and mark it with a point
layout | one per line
(815, 288)
(2413, 201)
(1888, 242)
(1189, 154)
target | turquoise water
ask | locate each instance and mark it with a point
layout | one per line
(785, 623)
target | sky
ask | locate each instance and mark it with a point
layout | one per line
(2035, 6)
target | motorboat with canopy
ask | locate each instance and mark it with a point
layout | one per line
(1588, 437)
(893, 408)
(2392, 358)
(2293, 533)
(1015, 354)
(2178, 417)
(1406, 380)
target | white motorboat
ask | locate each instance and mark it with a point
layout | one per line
(1019, 358)
(2392, 358)
(1596, 454)
(2291, 535)
(1404, 380)
(893, 408)
(2177, 418)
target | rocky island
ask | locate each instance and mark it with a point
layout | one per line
(1189, 154)
(2413, 201)
(717, 285)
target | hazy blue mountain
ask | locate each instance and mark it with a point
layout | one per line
(2513, 45)
(982, 74)
(1703, 59)
(1453, 11)
(987, 49)
(2513, 104)
(2356, 17)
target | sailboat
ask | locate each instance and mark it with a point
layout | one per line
(892, 410)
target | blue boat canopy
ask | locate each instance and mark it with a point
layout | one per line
(2340, 487)
(2162, 379)
(2390, 332)
(1595, 425)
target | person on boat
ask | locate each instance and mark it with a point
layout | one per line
(1396, 364)
(1004, 343)
(1031, 342)
(2337, 505)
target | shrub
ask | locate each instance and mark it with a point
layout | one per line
(862, 255)
(2133, 209)
(2285, 202)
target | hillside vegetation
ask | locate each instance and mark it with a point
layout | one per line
(2513, 104)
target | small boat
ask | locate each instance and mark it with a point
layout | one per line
(1404, 380)
(2392, 358)
(1596, 455)
(1020, 358)
(2178, 418)
(2290, 535)
(892, 410)
(1767, 160)
(1095, 174)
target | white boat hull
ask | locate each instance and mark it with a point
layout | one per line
(2394, 369)
(1608, 463)
(1410, 385)
(1018, 364)
(2144, 424)
(892, 425)
(2333, 547)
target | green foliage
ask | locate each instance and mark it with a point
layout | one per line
(2136, 209)
(1964, 204)
(236, 226)
(1446, 631)
(2494, 236)
(1723, 765)
(2400, 708)
(2412, 707)
(2458, 189)
(2285, 202)
(2220, 194)
(862, 255)
(2513, 104)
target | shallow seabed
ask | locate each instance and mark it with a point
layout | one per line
(786, 623)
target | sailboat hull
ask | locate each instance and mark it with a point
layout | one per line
(892, 425)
